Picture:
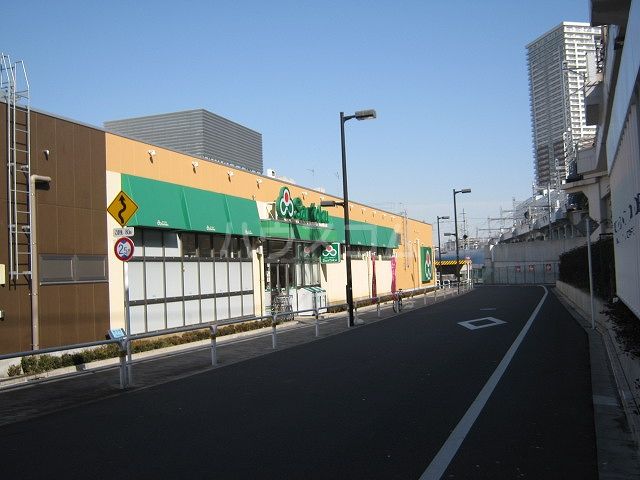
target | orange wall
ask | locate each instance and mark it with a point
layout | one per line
(131, 157)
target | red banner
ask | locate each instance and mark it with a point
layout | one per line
(393, 274)
(374, 287)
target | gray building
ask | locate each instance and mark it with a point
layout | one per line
(558, 63)
(199, 133)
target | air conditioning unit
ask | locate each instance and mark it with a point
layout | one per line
(271, 173)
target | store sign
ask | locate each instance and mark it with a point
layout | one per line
(625, 223)
(427, 264)
(293, 209)
(331, 253)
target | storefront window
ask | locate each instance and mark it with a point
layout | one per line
(245, 247)
(204, 246)
(173, 281)
(278, 249)
(291, 264)
(189, 248)
(220, 245)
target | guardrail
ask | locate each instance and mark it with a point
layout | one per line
(126, 361)
(446, 288)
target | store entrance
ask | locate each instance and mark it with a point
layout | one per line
(279, 277)
(292, 274)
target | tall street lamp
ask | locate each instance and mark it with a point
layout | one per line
(446, 217)
(455, 220)
(361, 115)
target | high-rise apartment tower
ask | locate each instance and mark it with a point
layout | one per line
(559, 62)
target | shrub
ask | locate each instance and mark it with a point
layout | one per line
(626, 325)
(38, 364)
(574, 268)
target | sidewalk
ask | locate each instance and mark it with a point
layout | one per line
(27, 400)
(615, 411)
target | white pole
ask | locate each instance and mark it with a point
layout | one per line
(35, 280)
(593, 318)
(127, 320)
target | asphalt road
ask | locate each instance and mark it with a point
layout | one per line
(379, 401)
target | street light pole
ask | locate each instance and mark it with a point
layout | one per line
(347, 229)
(446, 217)
(361, 115)
(455, 220)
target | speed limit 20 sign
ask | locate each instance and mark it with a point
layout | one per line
(123, 249)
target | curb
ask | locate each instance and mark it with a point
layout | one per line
(623, 389)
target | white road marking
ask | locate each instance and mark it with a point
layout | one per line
(443, 458)
(481, 323)
(488, 309)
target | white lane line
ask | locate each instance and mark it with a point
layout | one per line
(443, 458)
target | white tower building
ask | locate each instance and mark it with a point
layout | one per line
(558, 65)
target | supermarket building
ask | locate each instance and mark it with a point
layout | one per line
(212, 242)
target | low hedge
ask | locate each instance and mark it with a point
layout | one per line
(43, 363)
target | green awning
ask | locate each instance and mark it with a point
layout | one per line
(168, 205)
(243, 215)
(206, 212)
(160, 204)
(365, 234)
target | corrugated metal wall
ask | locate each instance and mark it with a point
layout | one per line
(197, 132)
(625, 207)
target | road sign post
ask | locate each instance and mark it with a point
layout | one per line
(123, 249)
(122, 208)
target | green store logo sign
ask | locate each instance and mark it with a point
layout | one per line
(293, 209)
(331, 253)
(427, 264)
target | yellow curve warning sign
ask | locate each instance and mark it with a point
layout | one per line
(122, 208)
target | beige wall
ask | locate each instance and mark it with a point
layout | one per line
(131, 157)
(116, 267)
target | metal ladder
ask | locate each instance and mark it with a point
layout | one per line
(14, 91)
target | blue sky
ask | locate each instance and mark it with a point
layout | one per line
(448, 81)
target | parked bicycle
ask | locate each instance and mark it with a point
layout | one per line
(397, 301)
